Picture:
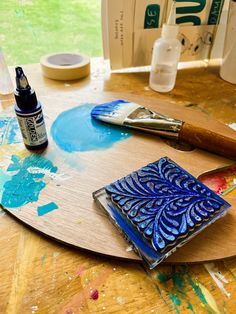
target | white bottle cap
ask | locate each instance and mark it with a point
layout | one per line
(170, 31)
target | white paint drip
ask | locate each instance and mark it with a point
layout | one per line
(48, 173)
(232, 126)
(217, 277)
(129, 248)
(34, 308)
(120, 300)
(231, 188)
(55, 254)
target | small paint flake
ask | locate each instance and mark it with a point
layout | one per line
(80, 271)
(129, 248)
(232, 126)
(152, 311)
(114, 269)
(55, 254)
(34, 308)
(67, 85)
(94, 295)
(120, 300)
(43, 259)
(103, 307)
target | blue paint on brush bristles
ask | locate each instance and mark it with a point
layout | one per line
(107, 108)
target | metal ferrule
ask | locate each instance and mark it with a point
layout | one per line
(153, 122)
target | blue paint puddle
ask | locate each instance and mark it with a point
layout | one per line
(45, 209)
(9, 131)
(75, 131)
(25, 185)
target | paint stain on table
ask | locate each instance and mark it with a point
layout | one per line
(94, 295)
(75, 131)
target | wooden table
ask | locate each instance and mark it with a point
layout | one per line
(42, 276)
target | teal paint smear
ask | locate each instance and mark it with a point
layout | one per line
(157, 287)
(42, 210)
(24, 187)
(75, 131)
(9, 131)
(178, 291)
(190, 307)
(43, 259)
(176, 301)
(197, 290)
(162, 277)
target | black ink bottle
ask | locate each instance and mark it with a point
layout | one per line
(29, 114)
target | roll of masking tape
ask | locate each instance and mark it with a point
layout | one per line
(65, 66)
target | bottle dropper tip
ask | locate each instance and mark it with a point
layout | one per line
(21, 79)
(172, 15)
(19, 72)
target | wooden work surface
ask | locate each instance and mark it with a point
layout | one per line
(41, 276)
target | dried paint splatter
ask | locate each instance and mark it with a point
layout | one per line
(79, 299)
(180, 277)
(9, 131)
(120, 300)
(80, 270)
(218, 277)
(24, 187)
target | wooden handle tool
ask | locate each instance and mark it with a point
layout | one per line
(208, 140)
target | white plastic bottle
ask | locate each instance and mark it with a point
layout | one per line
(228, 68)
(6, 86)
(165, 56)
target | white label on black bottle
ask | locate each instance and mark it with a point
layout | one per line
(32, 128)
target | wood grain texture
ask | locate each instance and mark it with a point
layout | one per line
(78, 222)
(42, 276)
(205, 139)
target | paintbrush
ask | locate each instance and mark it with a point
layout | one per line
(133, 115)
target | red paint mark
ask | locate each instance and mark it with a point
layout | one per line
(219, 180)
(80, 270)
(94, 295)
(215, 183)
(79, 299)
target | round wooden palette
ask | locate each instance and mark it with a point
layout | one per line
(78, 222)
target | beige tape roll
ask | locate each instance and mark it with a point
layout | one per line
(65, 66)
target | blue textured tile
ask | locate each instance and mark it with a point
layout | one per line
(164, 204)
